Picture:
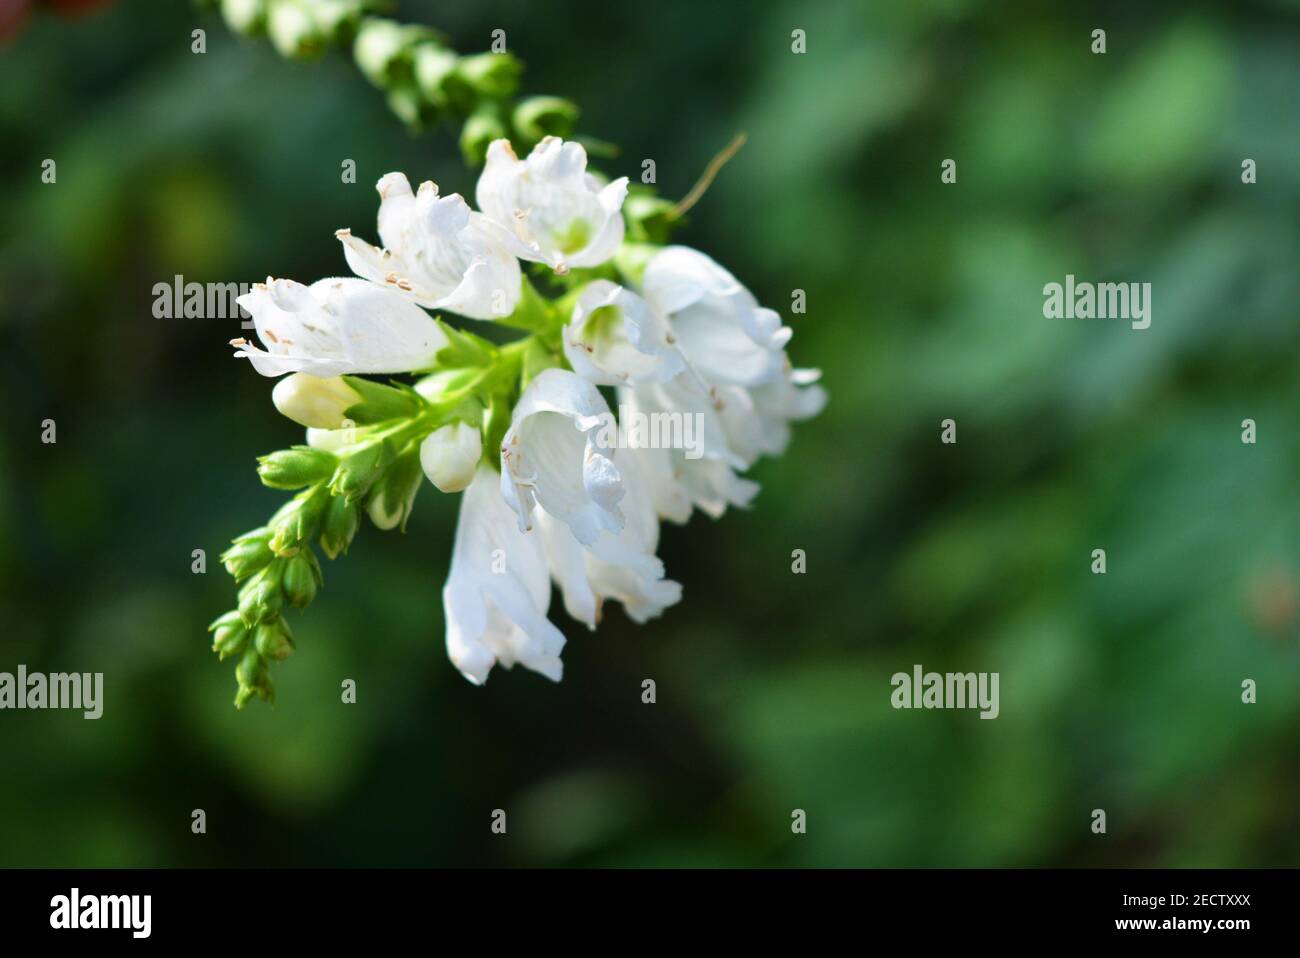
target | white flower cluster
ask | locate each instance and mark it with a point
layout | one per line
(563, 503)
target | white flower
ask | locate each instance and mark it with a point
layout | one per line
(497, 591)
(449, 456)
(337, 326)
(552, 210)
(613, 338)
(719, 326)
(707, 480)
(558, 453)
(314, 402)
(621, 567)
(438, 251)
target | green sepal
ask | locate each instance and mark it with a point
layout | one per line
(248, 554)
(464, 349)
(380, 402)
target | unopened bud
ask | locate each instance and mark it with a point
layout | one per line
(293, 31)
(229, 636)
(357, 471)
(393, 496)
(254, 678)
(273, 640)
(493, 75)
(298, 521)
(450, 455)
(542, 116)
(260, 597)
(296, 467)
(244, 16)
(314, 402)
(248, 554)
(481, 128)
(436, 76)
(301, 577)
(339, 526)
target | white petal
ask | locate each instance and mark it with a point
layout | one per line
(497, 617)
(437, 252)
(337, 326)
(720, 328)
(558, 453)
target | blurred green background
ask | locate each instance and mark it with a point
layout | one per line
(1119, 692)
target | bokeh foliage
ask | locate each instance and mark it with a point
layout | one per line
(1120, 692)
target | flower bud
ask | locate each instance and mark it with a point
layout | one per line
(542, 116)
(273, 640)
(382, 49)
(436, 76)
(314, 402)
(229, 636)
(393, 496)
(300, 578)
(481, 128)
(450, 455)
(244, 16)
(339, 526)
(248, 554)
(254, 678)
(492, 75)
(357, 471)
(298, 521)
(293, 31)
(296, 467)
(260, 597)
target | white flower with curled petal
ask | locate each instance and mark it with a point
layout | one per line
(551, 209)
(619, 566)
(558, 453)
(336, 326)
(719, 326)
(438, 251)
(704, 476)
(498, 590)
(614, 339)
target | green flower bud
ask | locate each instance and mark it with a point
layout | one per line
(301, 577)
(229, 636)
(248, 554)
(393, 496)
(437, 79)
(244, 16)
(542, 116)
(261, 596)
(293, 30)
(481, 128)
(492, 75)
(314, 402)
(358, 470)
(342, 518)
(382, 49)
(273, 640)
(298, 521)
(254, 678)
(296, 467)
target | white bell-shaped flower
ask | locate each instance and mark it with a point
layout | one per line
(437, 251)
(336, 326)
(498, 590)
(719, 326)
(552, 210)
(558, 453)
